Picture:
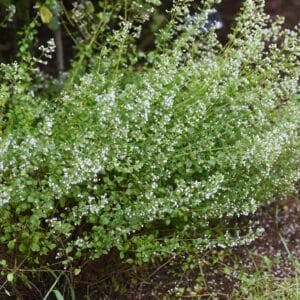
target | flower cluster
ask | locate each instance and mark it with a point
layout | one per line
(46, 52)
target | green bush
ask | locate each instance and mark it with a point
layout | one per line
(152, 159)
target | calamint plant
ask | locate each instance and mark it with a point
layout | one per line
(152, 154)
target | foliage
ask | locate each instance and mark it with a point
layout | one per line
(154, 159)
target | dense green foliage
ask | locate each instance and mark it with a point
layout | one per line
(152, 159)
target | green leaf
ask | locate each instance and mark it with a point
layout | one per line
(130, 261)
(10, 277)
(3, 262)
(23, 248)
(296, 97)
(69, 249)
(58, 295)
(77, 271)
(54, 23)
(167, 221)
(105, 220)
(46, 14)
(35, 243)
(35, 247)
(11, 244)
(62, 201)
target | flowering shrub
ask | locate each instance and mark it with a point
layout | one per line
(152, 160)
